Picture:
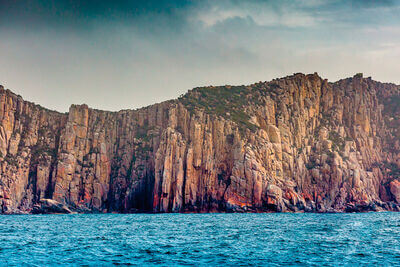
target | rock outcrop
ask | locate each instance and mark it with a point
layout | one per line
(298, 143)
(50, 206)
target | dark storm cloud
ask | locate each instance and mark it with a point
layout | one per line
(82, 15)
(69, 11)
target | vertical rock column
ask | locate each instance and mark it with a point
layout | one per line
(72, 144)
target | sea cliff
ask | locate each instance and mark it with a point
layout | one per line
(298, 143)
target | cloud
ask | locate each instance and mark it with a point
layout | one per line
(372, 3)
(261, 13)
(86, 15)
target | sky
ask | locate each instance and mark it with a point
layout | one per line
(115, 55)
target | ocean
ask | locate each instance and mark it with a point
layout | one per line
(200, 239)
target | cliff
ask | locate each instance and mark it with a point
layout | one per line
(298, 143)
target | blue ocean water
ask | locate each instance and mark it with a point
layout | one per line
(200, 239)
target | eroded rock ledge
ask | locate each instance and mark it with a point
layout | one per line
(298, 143)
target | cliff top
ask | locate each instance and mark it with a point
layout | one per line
(219, 99)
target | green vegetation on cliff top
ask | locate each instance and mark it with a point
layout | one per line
(229, 102)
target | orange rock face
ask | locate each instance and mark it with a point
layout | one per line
(297, 143)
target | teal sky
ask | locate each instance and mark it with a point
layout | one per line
(127, 54)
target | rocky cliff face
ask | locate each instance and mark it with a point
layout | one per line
(298, 143)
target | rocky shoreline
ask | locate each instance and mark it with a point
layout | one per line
(49, 206)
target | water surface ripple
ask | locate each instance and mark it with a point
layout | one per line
(200, 239)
